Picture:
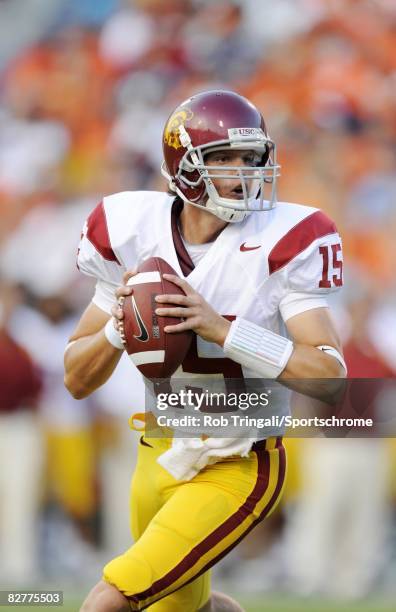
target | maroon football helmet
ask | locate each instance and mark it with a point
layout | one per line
(212, 121)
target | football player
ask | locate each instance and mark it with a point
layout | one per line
(255, 275)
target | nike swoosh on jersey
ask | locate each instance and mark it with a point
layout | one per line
(244, 248)
(143, 330)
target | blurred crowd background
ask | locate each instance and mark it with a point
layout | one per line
(85, 89)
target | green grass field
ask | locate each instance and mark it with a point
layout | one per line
(285, 604)
(265, 604)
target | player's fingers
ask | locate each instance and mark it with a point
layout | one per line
(185, 325)
(116, 323)
(128, 274)
(122, 291)
(117, 312)
(180, 282)
(175, 312)
(183, 300)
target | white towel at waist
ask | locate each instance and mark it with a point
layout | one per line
(187, 456)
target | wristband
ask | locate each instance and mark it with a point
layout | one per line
(112, 335)
(257, 348)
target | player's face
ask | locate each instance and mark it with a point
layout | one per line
(230, 186)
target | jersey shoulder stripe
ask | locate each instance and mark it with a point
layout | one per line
(98, 233)
(298, 238)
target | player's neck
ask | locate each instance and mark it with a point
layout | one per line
(199, 226)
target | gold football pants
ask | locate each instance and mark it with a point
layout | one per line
(181, 529)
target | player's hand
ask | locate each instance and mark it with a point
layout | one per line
(121, 292)
(198, 314)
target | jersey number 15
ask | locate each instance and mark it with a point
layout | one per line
(330, 253)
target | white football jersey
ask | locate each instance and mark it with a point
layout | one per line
(266, 269)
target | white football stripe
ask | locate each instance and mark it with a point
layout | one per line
(145, 277)
(148, 357)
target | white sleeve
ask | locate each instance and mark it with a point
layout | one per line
(104, 296)
(96, 257)
(311, 276)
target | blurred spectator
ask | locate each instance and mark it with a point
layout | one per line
(126, 37)
(361, 355)
(90, 13)
(121, 396)
(30, 152)
(215, 41)
(20, 452)
(335, 543)
(338, 528)
(382, 331)
(39, 15)
(43, 326)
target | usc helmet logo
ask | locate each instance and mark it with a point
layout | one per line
(171, 132)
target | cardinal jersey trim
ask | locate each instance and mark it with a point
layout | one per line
(185, 261)
(298, 238)
(98, 233)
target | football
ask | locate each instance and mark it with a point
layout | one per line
(155, 353)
